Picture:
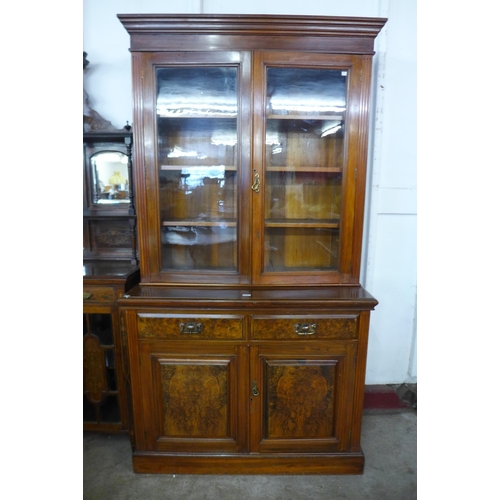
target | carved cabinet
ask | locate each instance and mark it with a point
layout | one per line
(247, 334)
(109, 219)
(110, 268)
(106, 403)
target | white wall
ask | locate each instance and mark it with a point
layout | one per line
(389, 257)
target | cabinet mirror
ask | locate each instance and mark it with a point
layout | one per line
(110, 183)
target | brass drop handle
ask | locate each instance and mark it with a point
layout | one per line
(190, 328)
(305, 328)
(255, 391)
(87, 295)
(256, 183)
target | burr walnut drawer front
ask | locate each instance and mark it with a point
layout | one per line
(305, 327)
(190, 326)
(98, 294)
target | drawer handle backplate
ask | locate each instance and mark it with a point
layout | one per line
(87, 295)
(305, 328)
(190, 327)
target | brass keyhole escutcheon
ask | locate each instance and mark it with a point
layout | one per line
(256, 182)
(190, 328)
(255, 391)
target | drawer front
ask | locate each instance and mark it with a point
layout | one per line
(98, 294)
(190, 326)
(343, 327)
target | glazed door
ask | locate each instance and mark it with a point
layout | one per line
(193, 398)
(305, 167)
(104, 392)
(301, 397)
(196, 119)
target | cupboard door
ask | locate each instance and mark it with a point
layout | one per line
(302, 397)
(306, 199)
(194, 229)
(104, 393)
(191, 398)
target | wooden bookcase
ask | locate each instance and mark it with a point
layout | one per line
(247, 335)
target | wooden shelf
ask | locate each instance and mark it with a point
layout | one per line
(299, 223)
(284, 168)
(206, 115)
(227, 168)
(306, 117)
(199, 223)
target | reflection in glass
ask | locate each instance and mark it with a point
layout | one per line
(197, 167)
(110, 177)
(196, 91)
(305, 91)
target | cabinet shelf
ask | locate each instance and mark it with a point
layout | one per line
(284, 168)
(297, 223)
(199, 223)
(335, 117)
(197, 115)
(172, 168)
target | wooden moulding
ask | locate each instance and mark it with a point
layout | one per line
(354, 35)
(252, 24)
(341, 463)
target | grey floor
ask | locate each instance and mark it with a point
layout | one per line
(389, 441)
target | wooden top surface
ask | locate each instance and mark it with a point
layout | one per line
(311, 297)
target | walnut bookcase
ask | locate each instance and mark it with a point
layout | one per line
(248, 332)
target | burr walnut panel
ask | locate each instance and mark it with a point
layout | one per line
(195, 395)
(98, 293)
(189, 326)
(305, 327)
(300, 398)
(304, 401)
(194, 400)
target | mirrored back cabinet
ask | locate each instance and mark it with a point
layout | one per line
(110, 268)
(247, 335)
(109, 216)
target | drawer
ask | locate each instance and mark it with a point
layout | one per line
(98, 294)
(305, 327)
(190, 326)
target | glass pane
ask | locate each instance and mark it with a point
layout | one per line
(89, 411)
(101, 325)
(197, 157)
(110, 177)
(110, 409)
(304, 163)
(299, 91)
(111, 369)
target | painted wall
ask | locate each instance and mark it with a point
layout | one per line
(389, 256)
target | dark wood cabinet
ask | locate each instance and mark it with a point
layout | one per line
(105, 388)
(249, 375)
(247, 334)
(110, 268)
(109, 218)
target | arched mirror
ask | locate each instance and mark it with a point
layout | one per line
(110, 182)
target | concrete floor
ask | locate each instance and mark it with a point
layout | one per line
(389, 441)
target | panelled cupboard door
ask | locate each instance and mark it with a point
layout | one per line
(191, 164)
(302, 397)
(191, 398)
(308, 158)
